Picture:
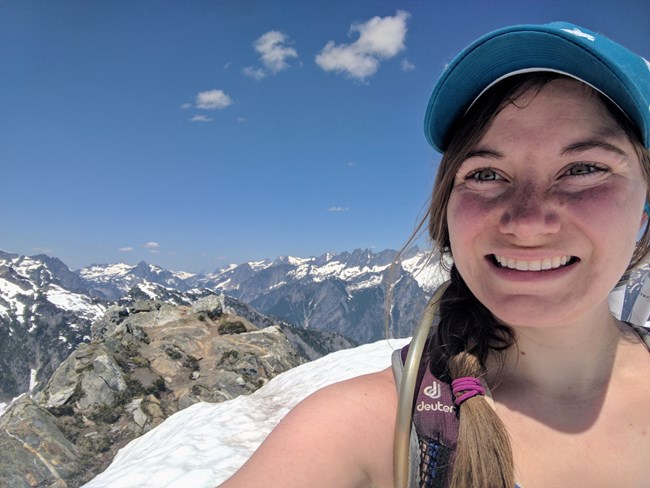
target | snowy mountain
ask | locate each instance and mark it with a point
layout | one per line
(204, 444)
(44, 313)
(343, 292)
(112, 281)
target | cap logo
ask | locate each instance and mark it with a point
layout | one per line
(647, 63)
(578, 33)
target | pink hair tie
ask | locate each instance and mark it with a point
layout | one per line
(468, 384)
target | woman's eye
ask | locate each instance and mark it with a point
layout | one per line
(484, 174)
(582, 169)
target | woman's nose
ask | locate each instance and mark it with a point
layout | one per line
(529, 213)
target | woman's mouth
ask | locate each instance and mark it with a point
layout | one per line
(544, 264)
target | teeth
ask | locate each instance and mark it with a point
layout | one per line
(535, 265)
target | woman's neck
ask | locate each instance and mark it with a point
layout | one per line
(569, 361)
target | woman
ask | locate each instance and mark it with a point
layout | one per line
(539, 200)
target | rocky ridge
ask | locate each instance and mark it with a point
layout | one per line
(46, 309)
(343, 293)
(145, 362)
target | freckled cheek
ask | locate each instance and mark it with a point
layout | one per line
(610, 216)
(467, 216)
(605, 204)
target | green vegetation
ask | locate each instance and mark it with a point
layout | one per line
(108, 414)
(231, 327)
(191, 363)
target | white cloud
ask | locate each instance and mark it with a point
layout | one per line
(186, 106)
(201, 118)
(406, 65)
(241, 119)
(42, 250)
(274, 51)
(227, 65)
(351, 164)
(256, 73)
(338, 209)
(212, 100)
(379, 38)
(151, 245)
(125, 249)
(154, 251)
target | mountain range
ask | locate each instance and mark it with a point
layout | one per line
(47, 309)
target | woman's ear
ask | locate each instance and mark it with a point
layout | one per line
(645, 216)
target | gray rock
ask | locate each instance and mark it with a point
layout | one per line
(33, 451)
(108, 370)
(144, 306)
(212, 306)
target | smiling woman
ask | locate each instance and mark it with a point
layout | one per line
(527, 378)
(540, 193)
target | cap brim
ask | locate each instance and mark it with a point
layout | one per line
(537, 48)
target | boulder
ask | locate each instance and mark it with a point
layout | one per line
(211, 306)
(33, 450)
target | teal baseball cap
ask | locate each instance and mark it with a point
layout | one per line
(561, 47)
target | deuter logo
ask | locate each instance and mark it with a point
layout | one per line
(437, 407)
(434, 391)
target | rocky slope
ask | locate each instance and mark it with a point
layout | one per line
(145, 362)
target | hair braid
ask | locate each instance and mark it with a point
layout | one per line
(462, 342)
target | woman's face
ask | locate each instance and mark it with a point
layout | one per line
(545, 211)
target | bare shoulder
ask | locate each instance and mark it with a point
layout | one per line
(342, 436)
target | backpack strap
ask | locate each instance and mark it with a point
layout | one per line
(434, 430)
(643, 333)
(413, 458)
(630, 302)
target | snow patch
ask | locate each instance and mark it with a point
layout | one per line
(149, 289)
(24, 266)
(300, 272)
(258, 265)
(32, 379)
(81, 305)
(204, 444)
(374, 280)
(10, 290)
(333, 268)
(426, 270)
(298, 261)
(105, 272)
(12, 294)
(182, 275)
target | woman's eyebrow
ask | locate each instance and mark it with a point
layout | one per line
(484, 153)
(581, 146)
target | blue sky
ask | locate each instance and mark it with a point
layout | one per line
(193, 134)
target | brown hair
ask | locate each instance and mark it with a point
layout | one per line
(468, 332)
